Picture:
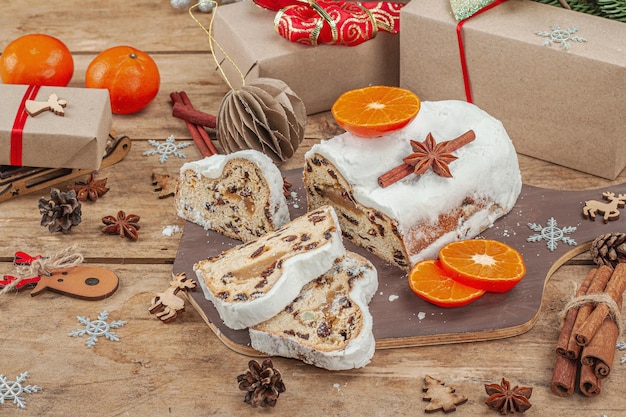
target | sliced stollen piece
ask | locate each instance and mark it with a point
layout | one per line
(329, 324)
(239, 195)
(253, 282)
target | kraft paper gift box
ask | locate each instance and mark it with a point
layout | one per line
(47, 140)
(317, 74)
(565, 106)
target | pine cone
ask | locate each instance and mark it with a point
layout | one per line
(263, 384)
(61, 212)
(609, 249)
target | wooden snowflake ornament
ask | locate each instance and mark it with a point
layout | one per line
(440, 396)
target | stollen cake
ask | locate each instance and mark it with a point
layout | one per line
(413, 218)
(253, 282)
(239, 195)
(328, 324)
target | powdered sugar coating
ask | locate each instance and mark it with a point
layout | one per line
(212, 167)
(488, 166)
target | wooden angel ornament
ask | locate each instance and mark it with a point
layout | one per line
(166, 305)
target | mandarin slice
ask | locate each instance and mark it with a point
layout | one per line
(486, 264)
(376, 110)
(431, 283)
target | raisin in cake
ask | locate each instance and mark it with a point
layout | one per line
(239, 195)
(254, 281)
(328, 324)
(413, 218)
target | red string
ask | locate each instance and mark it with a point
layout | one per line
(459, 26)
(18, 126)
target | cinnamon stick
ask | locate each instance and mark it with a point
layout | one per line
(198, 134)
(401, 171)
(394, 175)
(589, 384)
(197, 117)
(614, 289)
(563, 347)
(597, 285)
(600, 351)
(563, 380)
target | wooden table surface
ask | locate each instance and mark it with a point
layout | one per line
(182, 368)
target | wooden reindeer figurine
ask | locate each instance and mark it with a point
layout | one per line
(166, 305)
(609, 209)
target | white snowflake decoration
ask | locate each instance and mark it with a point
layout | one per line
(98, 328)
(167, 148)
(13, 390)
(621, 346)
(552, 234)
(560, 36)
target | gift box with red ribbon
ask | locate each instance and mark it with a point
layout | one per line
(318, 74)
(53, 127)
(554, 77)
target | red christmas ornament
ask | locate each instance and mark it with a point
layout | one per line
(346, 23)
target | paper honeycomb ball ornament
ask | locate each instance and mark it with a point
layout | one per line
(264, 115)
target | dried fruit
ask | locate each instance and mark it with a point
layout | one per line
(507, 400)
(262, 383)
(61, 211)
(90, 189)
(123, 225)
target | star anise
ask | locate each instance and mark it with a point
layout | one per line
(425, 155)
(123, 225)
(90, 189)
(263, 384)
(507, 400)
(429, 154)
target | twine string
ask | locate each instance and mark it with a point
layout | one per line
(599, 298)
(212, 42)
(66, 258)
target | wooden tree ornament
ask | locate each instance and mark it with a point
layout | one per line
(440, 397)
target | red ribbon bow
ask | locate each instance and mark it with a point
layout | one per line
(21, 258)
(346, 23)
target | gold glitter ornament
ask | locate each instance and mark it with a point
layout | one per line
(462, 9)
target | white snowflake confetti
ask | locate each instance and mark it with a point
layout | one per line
(560, 36)
(13, 390)
(167, 148)
(98, 328)
(621, 346)
(552, 234)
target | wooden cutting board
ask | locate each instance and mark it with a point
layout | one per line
(401, 319)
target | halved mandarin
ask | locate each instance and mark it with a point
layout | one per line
(431, 283)
(486, 264)
(376, 110)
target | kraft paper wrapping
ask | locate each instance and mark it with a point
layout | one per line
(559, 105)
(317, 74)
(75, 140)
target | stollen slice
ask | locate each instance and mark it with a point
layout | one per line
(329, 324)
(253, 282)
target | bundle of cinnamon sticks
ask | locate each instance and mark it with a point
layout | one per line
(592, 324)
(196, 121)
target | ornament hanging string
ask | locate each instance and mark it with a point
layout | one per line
(66, 258)
(212, 41)
(459, 34)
